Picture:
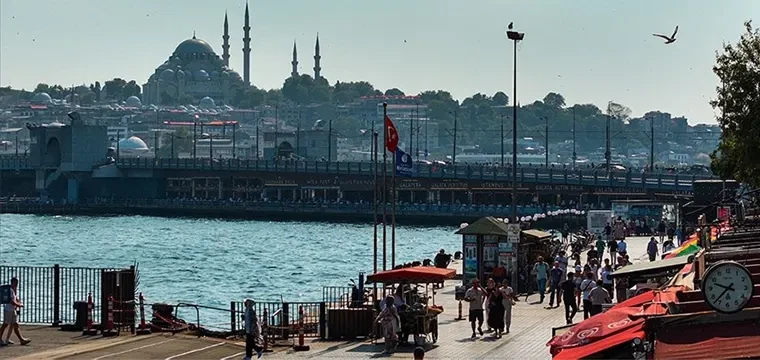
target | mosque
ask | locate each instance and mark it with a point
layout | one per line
(195, 70)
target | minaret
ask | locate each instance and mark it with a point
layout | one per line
(294, 72)
(317, 69)
(247, 48)
(226, 42)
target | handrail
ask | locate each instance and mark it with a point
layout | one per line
(197, 314)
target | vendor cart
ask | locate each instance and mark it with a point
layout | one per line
(418, 312)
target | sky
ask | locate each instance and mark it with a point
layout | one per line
(590, 51)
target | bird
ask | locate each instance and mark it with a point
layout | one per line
(671, 39)
(511, 25)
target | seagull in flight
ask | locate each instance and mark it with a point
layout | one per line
(669, 39)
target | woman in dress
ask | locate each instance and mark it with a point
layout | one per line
(496, 311)
(390, 321)
(490, 290)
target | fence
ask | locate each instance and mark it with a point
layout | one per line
(283, 318)
(49, 293)
(348, 313)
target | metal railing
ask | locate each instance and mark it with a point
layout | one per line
(49, 293)
(542, 174)
(283, 318)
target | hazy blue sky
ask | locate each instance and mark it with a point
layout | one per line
(588, 50)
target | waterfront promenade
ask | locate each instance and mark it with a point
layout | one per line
(531, 329)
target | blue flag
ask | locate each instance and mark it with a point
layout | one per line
(404, 165)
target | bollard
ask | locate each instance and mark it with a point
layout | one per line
(460, 311)
(265, 331)
(109, 330)
(89, 330)
(300, 346)
(143, 329)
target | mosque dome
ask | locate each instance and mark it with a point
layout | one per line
(132, 143)
(207, 103)
(167, 74)
(215, 75)
(193, 46)
(42, 98)
(180, 74)
(201, 75)
(133, 101)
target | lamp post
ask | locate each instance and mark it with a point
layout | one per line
(502, 140)
(515, 37)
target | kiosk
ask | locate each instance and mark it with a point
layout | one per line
(490, 249)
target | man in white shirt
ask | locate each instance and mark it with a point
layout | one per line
(475, 295)
(10, 317)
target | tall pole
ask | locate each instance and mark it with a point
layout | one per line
(172, 135)
(385, 186)
(454, 148)
(210, 146)
(155, 136)
(374, 203)
(411, 136)
(17, 139)
(234, 145)
(118, 138)
(329, 140)
(515, 37)
(393, 211)
(546, 139)
(298, 136)
(276, 126)
(195, 137)
(514, 138)
(575, 157)
(257, 141)
(502, 140)
(417, 148)
(608, 147)
(651, 150)
(427, 120)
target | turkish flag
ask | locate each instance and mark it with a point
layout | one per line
(391, 135)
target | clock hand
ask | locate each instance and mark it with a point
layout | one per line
(723, 293)
(722, 286)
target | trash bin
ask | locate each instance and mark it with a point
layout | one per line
(81, 318)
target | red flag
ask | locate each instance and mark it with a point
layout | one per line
(391, 135)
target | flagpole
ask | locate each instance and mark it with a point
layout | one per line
(374, 205)
(385, 183)
(393, 212)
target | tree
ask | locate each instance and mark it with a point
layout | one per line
(618, 111)
(738, 99)
(394, 92)
(500, 99)
(130, 89)
(554, 100)
(114, 87)
(182, 139)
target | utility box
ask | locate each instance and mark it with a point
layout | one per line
(80, 321)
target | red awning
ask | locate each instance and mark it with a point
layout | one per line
(580, 352)
(722, 341)
(416, 274)
(602, 326)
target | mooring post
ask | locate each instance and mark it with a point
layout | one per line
(233, 320)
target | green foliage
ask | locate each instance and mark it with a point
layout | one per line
(182, 139)
(738, 99)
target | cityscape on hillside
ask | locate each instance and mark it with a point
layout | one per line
(194, 104)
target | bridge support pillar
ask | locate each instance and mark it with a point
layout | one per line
(72, 193)
(279, 194)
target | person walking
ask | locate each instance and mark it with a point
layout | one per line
(600, 245)
(652, 249)
(586, 286)
(598, 297)
(567, 289)
(496, 312)
(509, 298)
(542, 272)
(391, 323)
(475, 296)
(253, 338)
(556, 276)
(491, 288)
(607, 278)
(10, 317)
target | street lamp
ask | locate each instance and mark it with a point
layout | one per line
(515, 37)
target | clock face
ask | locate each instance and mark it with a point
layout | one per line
(727, 287)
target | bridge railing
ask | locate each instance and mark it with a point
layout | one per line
(564, 175)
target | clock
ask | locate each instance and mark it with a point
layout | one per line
(727, 286)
